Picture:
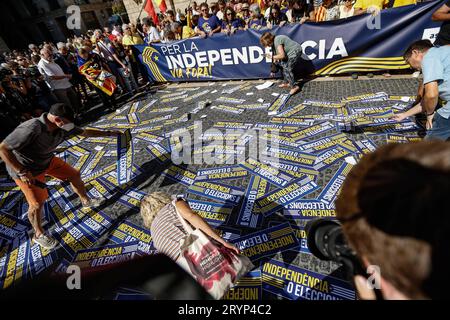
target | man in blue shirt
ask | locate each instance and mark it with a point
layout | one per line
(434, 62)
(207, 24)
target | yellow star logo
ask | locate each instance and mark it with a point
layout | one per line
(156, 58)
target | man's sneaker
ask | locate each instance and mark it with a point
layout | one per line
(46, 241)
(93, 202)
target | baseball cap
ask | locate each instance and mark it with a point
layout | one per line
(62, 110)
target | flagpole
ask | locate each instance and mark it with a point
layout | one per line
(145, 2)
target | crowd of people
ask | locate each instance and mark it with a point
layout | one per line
(233, 15)
(392, 196)
(32, 80)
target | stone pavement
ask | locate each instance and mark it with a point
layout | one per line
(152, 178)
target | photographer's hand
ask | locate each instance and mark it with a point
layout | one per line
(363, 291)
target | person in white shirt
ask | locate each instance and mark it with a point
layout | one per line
(151, 33)
(58, 81)
(195, 9)
(220, 14)
(346, 9)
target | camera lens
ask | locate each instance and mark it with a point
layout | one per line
(326, 241)
(323, 238)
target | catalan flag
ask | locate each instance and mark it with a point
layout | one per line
(161, 5)
(151, 11)
(261, 5)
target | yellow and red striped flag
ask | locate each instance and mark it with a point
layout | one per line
(151, 11)
(161, 5)
(261, 5)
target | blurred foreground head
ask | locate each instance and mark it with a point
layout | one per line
(394, 210)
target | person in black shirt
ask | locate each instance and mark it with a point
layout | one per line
(277, 18)
(300, 11)
(443, 14)
(98, 63)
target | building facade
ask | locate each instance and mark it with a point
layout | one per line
(34, 21)
(134, 7)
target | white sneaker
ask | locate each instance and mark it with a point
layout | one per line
(45, 241)
(93, 202)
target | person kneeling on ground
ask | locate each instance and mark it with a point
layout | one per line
(158, 211)
(287, 54)
(435, 66)
(28, 153)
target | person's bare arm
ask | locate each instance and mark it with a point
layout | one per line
(429, 102)
(441, 14)
(411, 112)
(419, 95)
(416, 108)
(216, 30)
(359, 11)
(9, 158)
(430, 97)
(198, 222)
(281, 53)
(200, 33)
(11, 161)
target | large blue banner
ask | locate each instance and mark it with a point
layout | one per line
(360, 43)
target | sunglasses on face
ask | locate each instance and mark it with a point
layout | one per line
(204, 10)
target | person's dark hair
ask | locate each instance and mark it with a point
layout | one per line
(195, 20)
(274, 6)
(148, 22)
(170, 35)
(393, 210)
(420, 45)
(233, 14)
(214, 8)
(301, 3)
(4, 73)
(84, 50)
(35, 59)
(62, 110)
(267, 39)
(170, 12)
(204, 5)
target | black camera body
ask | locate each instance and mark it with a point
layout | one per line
(326, 241)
